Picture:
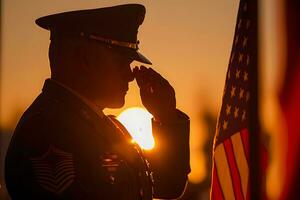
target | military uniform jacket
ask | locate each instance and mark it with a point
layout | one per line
(61, 149)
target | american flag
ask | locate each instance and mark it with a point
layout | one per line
(231, 153)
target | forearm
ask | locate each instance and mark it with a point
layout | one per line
(169, 160)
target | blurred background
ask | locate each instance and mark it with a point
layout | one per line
(189, 43)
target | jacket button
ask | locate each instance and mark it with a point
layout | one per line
(112, 179)
(141, 192)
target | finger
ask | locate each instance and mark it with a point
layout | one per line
(158, 83)
(145, 74)
(135, 72)
(143, 67)
(153, 81)
(146, 93)
(141, 78)
(148, 76)
(146, 80)
(157, 76)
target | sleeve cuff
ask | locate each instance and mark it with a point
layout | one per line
(180, 118)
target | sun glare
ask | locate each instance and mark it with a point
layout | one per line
(137, 121)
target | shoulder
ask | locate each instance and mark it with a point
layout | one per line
(41, 124)
(120, 126)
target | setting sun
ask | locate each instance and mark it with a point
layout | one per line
(137, 121)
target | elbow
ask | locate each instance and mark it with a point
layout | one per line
(178, 189)
(172, 188)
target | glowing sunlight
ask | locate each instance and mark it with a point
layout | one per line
(137, 121)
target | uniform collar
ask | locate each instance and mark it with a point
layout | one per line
(83, 99)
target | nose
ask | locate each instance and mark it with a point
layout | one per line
(128, 74)
(131, 76)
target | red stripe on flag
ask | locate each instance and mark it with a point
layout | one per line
(234, 171)
(216, 193)
(245, 140)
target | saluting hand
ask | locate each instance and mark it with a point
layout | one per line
(157, 95)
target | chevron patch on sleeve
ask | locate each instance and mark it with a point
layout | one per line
(54, 170)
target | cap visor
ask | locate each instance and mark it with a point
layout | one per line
(141, 58)
(135, 55)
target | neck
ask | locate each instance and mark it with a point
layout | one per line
(79, 91)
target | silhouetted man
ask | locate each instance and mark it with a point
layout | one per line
(64, 147)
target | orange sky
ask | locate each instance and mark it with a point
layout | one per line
(189, 43)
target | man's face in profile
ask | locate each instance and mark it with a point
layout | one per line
(109, 75)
